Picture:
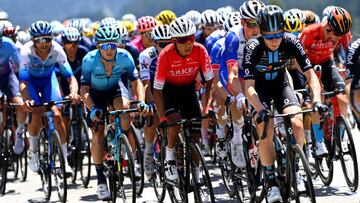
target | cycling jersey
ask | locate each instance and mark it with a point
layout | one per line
(235, 42)
(318, 49)
(137, 43)
(148, 59)
(352, 60)
(214, 37)
(134, 53)
(262, 64)
(182, 71)
(8, 54)
(94, 75)
(216, 54)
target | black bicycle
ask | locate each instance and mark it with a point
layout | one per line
(51, 159)
(9, 161)
(79, 153)
(340, 145)
(193, 173)
(291, 162)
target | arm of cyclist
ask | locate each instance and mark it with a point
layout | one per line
(159, 81)
(23, 79)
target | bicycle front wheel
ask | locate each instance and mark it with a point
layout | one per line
(44, 163)
(200, 175)
(300, 171)
(4, 158)
(85, 154)
(22, 159)
(58, 169)
(138, 159)
(347, 153)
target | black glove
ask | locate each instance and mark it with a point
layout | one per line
(262, 116)
(319, 107)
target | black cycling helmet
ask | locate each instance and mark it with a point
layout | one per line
(270, 18)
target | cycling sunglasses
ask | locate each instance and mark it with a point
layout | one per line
(251, 24)
(42, 40)
(107, 46)
(184, 40)
(274, 36)
(163, 44)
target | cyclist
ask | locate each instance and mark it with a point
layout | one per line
(320, 40)
(9, 85)
(124, 43)
(39, 59)
(174, 84)
(101, 86)
(265, 61)
(148, 58)
(209, 23)
(144, 26)
(235, 41)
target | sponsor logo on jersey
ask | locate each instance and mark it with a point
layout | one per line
(263, 68)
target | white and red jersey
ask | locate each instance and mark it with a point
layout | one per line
(182, 71)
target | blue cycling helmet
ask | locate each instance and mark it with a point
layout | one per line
(106, 33)
(71, 34)
(40, 28)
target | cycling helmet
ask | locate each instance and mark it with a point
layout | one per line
(270, 18)
(299, 13)
(222, 18)
(129, 25)
(232, 20)
(194, 16)
(106, 33)
(209, 17)
(1, 29)
(129, 16)
(182, 27)
(71, 34)
(292, 23)
(250, 9)
(23, 37)
(161, 32)
(3, 15)
(146, 23)
(40, 28)
(340, 20)
(166, 17)
(108, 21)
(57, 27)
(123, 32)
(327, 10)
(10, 31)
(311, 17)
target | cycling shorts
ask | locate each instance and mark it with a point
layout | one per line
(9, 85)
(102, 99)
(47, 87)
(330, 77)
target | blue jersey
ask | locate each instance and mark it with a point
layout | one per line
(214, 37)
(31, 65)
(8, 54)
(94, 75)
(235, 42)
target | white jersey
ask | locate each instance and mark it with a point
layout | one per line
(235, 42)
(147, 61)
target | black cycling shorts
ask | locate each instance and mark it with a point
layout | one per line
(182, 100)
(330, 77)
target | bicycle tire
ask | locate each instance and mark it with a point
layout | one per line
(326, 175)
(125, 145)
(4, 161)
(74, 157)
(85, 154)
(158, 179)
(44, 168)
(226, 170)
(306, 173)
(198, 190)
(351, 182)
(23, 159)
(59, 172)
(139, 158)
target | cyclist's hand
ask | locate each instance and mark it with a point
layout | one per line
(143, 108)
(240, 100)
(27, 105)
(95, 114)
(319, 107)
(262, 116)
(75, 98)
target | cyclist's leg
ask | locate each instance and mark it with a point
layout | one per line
(222, 119)
(339, 84)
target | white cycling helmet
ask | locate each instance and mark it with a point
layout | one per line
(108, 21)
(326, 12)
(71, 34)
(250, 9)
(182, 27)
(130, 17)
(3, 15)
(194, 16)
(298, 13)
(209, 17)
(123, 32)
(161, 32)
(232, 20)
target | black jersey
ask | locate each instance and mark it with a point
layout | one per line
(352, 60)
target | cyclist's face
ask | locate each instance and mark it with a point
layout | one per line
(210, 29)
(251, 28)
(185, 45)
(160, 44)
(43, 44)
(146, 39)
(273, 39)
(330, 35)
(108, 50)
(71, 48)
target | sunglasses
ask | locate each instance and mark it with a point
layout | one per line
(146, 34)
(184, 40)
(274, 36)
(163, 44)
(42, 40)
(123, 41)
(251, 24)
(107, 46)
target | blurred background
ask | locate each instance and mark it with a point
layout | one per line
(24, 12)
